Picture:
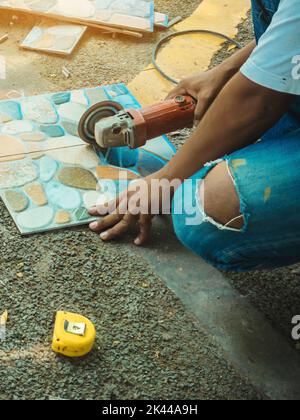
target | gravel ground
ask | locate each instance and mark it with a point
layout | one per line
(147, 345)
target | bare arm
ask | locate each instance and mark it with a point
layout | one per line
(242, 112)
(205, 86)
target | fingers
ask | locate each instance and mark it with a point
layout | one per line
(108, 207)
(93, 211)
(202, 106)
(105, 223)
(120, 228)
(145, 223)
(177, 91)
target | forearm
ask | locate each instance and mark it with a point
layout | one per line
(242, 112)
(233, 64)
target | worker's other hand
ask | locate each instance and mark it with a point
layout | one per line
(134, 209)
(204, 87)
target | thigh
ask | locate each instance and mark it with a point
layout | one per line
(266, 176)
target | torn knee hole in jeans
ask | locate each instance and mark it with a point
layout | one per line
(217, 214)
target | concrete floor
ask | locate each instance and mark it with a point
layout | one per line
(150, 344)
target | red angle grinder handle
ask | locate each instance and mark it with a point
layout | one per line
(163, 118)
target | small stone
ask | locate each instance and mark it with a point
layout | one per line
(16, 201)
(79, 97)
(16, 174)
(45, 42)
(35, 219)
(52, 130)
(93, 198)
(82, 155)
(62, 217)
(35, 151)
(96, 95)
(17, 127)
(71, 111)
(110, 172)
(40, 110)
(77, 178)
(70, 127)
(61, 98)
(63, 197)
(37, 194)
(48, 168)
(4, 118)
(82, 214)
(11, 149)
(33, 137)
(12, 109)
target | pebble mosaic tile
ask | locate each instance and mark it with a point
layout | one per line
(129, 14)
(48, 176)
(58, 39)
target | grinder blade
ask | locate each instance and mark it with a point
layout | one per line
(93, 115)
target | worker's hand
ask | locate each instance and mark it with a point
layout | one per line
(134, 208)
(204, 87)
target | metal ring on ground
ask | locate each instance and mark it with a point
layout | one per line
(176, 34)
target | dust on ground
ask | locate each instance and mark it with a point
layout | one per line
(147, 345)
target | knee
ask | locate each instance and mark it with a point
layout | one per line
(215, 206)
(220, 199)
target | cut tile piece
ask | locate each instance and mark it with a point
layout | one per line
(16, 174)
(34, 219)
(37, 194)
(63, 197)
(58, 39)
(62, 217)
(161, 20)
(77, 178)
(110, 172)
(17, 201)
(11, 149)
(33, 137)
(39, 110)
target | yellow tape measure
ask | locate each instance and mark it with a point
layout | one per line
(74, 335)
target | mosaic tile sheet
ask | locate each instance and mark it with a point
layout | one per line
(130, 14)
(54, 38)
(48, 176)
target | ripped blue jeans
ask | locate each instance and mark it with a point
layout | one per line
(267, 178)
